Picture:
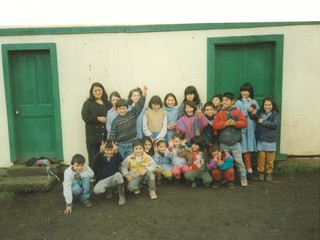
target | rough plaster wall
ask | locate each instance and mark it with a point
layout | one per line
(168, 62)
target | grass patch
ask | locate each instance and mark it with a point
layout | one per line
(6, 195)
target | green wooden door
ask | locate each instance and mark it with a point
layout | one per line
(237, 64)
(233, 61)
(32, 96)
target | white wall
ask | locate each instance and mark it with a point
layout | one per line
(168, 62)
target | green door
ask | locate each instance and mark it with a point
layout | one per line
(32, 99)
(233, 61)
(237, 64)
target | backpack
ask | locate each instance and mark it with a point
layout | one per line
(230, 135)
(42, 162)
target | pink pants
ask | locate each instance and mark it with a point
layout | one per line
(176, 171)
(227, 174)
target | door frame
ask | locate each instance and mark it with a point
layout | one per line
(277, 40)
(51, 47)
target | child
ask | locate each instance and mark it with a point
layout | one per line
(123, 127)
(268, 119)
(193, 121)
(198, 168)
(108, 160)
(155, 119)
(138, 168)
(171, 107)
(148, 145)
(77, 182)
(177, 153)
(247, 105)
(133, 98)
(112, 113)
(208, 134)
(229, 122)
(217, 103)
(190, 94)
(164, 165)
(221, 166)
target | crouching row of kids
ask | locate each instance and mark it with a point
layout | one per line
(137, 168)
(140, 167)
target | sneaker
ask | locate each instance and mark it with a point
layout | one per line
(136, 192)
(158, 182)
(216, 185)
(261, 177)
(193, 184)
(250, 176)
(268, 177)
(109, 193)
(153, 194)
(230, 185)
(244, 182)
(87, 203)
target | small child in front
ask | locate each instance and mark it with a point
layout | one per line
(138, 168)
(221, 166)
(229, 121)
(77, 182)
(164, 164)
(198, 168)
(178, 154)
(108, 161)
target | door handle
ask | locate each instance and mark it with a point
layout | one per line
(17, 112)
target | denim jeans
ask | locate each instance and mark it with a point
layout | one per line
(235, 151)
(125, 148)
(81, 188)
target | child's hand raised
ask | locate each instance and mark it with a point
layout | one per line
(103, 146)
(199, 112)
(145, 90)
(115, 147)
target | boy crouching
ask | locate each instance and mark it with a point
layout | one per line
(107, 162)
(138, 168)
(77, 182)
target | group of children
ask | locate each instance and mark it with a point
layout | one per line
(190, 141)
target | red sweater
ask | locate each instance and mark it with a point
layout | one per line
(221, 118)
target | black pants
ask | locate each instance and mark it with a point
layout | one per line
(92, 149)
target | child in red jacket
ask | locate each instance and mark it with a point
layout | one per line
(229, 122)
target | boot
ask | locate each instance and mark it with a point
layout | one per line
(268, 177)
(122, 199)
(261, 177)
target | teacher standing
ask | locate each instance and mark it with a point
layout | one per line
(94, 112)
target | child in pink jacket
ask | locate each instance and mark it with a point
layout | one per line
(192, 122)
